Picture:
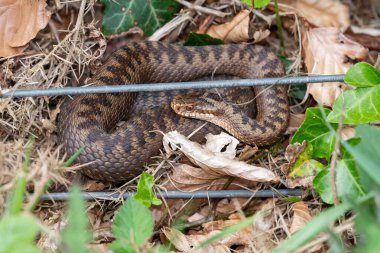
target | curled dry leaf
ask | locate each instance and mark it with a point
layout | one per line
(301, 216)
(188, 178)
(20, 21)
(237, 30)
(212, 160)
(327, 52)
(321, 13)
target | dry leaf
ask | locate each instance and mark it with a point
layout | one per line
(237, 30)
(247, 153)
(20, 21)
(211, 160)
(301, 216)
(292, 153)
(327, 52)
(258, 234)
(322, 13)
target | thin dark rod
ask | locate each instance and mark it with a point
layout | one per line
(63, 196)
(172, 86)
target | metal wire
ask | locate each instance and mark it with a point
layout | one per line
(172, 86)
(63, 196)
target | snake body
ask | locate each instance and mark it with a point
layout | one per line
(117, 154)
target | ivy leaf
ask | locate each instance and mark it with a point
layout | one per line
(347, 181)
(304, 165)
(316, 132)
(120, 16)
(76, 236)
(366, 153)
(18, 234)
(198, 39)
(133, 226)
(362, 105)
(257, 3)
(145, 194)
(362, 74)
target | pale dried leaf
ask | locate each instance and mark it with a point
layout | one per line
(20, 21)
(322, 13)
(213, 163)
(327, 52)
(216, 143)
(301, 216)
(237, 30)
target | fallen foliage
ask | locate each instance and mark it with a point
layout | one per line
(20, 21)
(237, 30)
(210, 158)
(321, 13)
(327, 52)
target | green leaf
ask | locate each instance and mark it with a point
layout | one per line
(362, 105)
(18, 234)
(133, 226)
(304, 165)
(257, 3)
(120, 16)
(362, 74)
(76, 236)
(197, 39)
(366, 153)
(347, 182)
(145, 194)
(315, 130)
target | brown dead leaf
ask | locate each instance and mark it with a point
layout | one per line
(257, 235)
(327, 52)
(188, 178)
(237, 30)
(301, 216)
(247, 153)
(321, 13)
(20, 21)
(210, 158)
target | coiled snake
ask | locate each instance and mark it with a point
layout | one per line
(89, 121)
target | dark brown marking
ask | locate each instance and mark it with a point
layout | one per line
(217, 52)
(188, 55)
(202, 53)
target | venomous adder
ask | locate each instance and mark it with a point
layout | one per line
(119, 153)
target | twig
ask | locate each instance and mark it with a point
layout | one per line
(203, 9)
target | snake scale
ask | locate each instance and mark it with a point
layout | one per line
(119, 153)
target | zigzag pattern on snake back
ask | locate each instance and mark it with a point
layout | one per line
(118, 154)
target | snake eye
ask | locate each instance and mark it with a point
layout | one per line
(189, 107)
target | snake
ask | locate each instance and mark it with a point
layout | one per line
(117, 132)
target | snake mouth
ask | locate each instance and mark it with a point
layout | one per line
(192, 106)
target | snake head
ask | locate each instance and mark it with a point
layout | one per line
(197, 107)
